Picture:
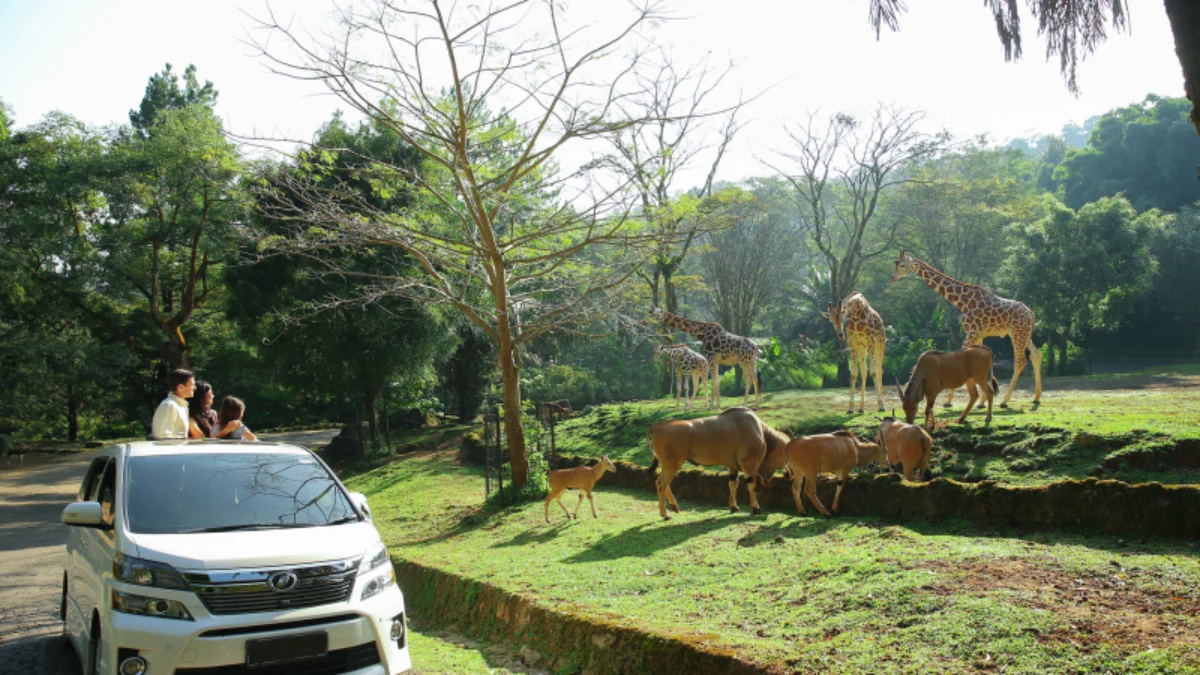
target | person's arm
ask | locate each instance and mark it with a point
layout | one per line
(228, 428)
(194, 430)
(246, 435)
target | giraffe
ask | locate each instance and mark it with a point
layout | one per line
(984, 314)
(721, 348)
(686, 364)
(861, 327)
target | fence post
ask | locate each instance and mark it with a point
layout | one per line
(553, 449)
(499, 460)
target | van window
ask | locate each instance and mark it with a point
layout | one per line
(192, 492)
(91, 480)
(107, 494)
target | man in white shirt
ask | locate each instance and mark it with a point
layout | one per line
(171, 419)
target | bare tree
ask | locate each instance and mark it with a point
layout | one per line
(839, 168)
(651, 157)
(489, 96)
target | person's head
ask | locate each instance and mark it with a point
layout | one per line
(231, 409)
(181, 382)
(202, 398)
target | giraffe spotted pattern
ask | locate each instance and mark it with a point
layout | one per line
(861, 328)
(688, 365)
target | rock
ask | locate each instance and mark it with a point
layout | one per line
(6, 445)
(345, 446)
(530, 657)
(603, 640)
(1085, 439)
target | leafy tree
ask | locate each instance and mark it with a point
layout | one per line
(1084, 269)
(1144, 151)
(163, 93)
(468, 371)
(494, 235)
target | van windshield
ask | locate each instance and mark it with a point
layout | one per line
(174, 494)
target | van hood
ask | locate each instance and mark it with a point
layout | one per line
(257, 548)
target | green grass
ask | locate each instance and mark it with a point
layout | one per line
(435, 653)
(845, 595)
(1140, 414)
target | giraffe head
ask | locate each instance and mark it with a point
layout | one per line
(834, 314)
(904, 266)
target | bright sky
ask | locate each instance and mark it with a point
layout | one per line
(92, 59)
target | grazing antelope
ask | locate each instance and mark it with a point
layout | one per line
(936, 372)
(906, 444)
(579, 478)
(838, 453)
(736, 438)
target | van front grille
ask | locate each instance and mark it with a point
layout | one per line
(250, 591)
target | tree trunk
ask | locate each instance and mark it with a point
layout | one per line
(1184, 16)
(1062, 360)
(371, 408)
(514, 430)
(669, 293)
(72, 413)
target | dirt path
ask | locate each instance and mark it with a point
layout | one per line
(32, 497)
(304, 439)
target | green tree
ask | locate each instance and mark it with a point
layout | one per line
(163, 93)
(1084, 270)
(1145, 151)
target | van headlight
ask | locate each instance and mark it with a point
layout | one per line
(147, 573)
(376, 582)
(130, 603)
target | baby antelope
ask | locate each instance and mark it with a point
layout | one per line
(838, 453)
(907, 444)
(579, 478)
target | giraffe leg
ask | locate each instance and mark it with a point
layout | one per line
(853, 381)
(971, 340)
(880, 346)
(1035, 357)
(862, 373)
(1020, 342)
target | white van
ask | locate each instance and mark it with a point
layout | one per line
(217, 557)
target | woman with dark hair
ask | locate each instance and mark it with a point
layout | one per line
(200, 410)
(230, 419)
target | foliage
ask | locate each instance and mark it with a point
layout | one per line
(1146, 152)
(803, 363)
(1085, 269)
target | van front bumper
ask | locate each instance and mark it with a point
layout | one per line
(359, 635)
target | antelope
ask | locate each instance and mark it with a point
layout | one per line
(579, 478)
(936, 372)
(906, 444)
(736, 439)
(838, 453)
(551, 408)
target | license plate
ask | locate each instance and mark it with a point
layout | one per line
(288, 648)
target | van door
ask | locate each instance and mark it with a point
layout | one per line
(80, 597)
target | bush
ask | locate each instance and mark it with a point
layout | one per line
(120, 430)
(1077, 360)
(801, 364)
(902, 354)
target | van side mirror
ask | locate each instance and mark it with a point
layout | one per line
(360, 502)
(84, 514)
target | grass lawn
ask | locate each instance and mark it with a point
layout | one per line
(1134, 420)
(847, 595)
(437, 653)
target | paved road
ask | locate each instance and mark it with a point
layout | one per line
(32, 498)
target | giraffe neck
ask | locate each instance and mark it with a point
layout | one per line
(696, 329)
(953, 290)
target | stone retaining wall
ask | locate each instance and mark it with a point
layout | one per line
(1106, 505)
(560, 638)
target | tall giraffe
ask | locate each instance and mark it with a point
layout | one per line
(861, 328)
(721, 348)
(984, 314)
(687, 365)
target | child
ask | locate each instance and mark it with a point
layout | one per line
(232, 410)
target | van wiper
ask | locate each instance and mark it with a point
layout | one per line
(340, 521)
(246, 526)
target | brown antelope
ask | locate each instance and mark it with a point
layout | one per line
(936, 372)
(551, 408)
(906, 444)
(838, 453)
(579, 478)
(736, 438)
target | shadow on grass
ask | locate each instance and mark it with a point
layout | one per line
(642, 541)
(535, 536)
